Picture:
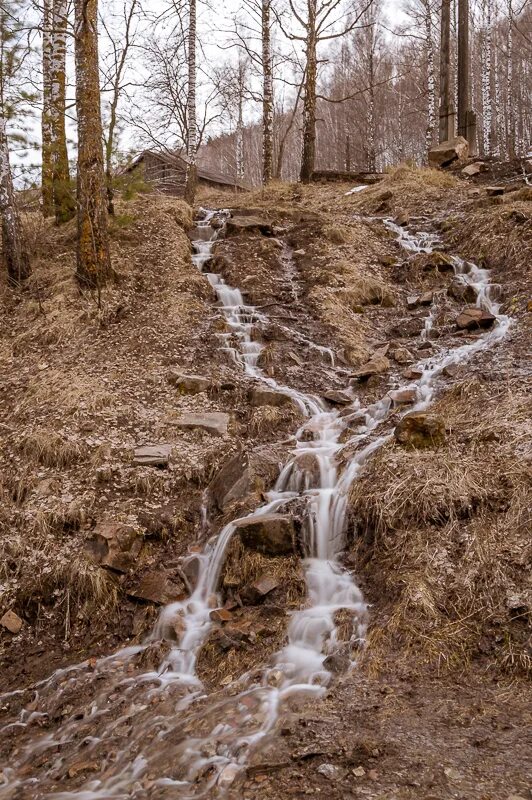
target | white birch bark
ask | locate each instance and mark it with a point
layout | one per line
(431, 77)
(13, 251)
(192, 127)
(267, 94)
(46, 127)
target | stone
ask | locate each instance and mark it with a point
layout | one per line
(402, 355)
(151, 657)
(375, 366)
(188, 384)
(403, 396)
(473, 193)
(115, 545)
(420, 430)
(260, 395)
(270, 534)
(359, 772)
(408, 328)
(338, 397)
(330, 771)
(412, 374)
(472, 169)
(213, 422)
(243, 474)
(221, 615)
(474, 318)
(447, 153)
(494, 191)
(157, 587)
(337, 663)
(402, 218)
(442, 262)
(157, 455)
(461, 291)
(238, 225)
(411, 302)
(259, 589)
(11, 622)
(426, 298)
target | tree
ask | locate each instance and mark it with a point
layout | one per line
(13, 249)
(63, 200)
(267, 93)
(93, 256)
(46, 128)
(192, 129)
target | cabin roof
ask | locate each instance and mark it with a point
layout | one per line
(174, 158)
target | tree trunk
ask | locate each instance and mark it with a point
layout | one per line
(431, 80)
(309, 101)
(510, 99)
(487, 112)
(46, 131)
(192, 130)
(446, 127)
(64, 203)
(267, 95)
(371, 148)
(13, 249)
(463, 66)
(240, 128)
(93, 257)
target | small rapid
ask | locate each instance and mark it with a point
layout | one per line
(158, 734)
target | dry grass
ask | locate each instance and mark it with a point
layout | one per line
(51, 449)
(243, 566)
(445, 534)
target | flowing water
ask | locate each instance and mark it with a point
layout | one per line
(148, 731)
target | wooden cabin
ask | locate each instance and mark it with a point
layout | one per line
(165, 171)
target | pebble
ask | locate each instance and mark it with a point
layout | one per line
(359, 772)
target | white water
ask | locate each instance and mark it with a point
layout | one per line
(157, 759)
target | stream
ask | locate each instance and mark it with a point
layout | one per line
(157, 734)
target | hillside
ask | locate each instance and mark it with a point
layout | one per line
(362, 408)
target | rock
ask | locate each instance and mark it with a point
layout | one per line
(228, 775)
(412, 374)
(473, 193)
(157, 455)
(420, 429)
(330, 771)
(221, 615)
(12, 622)
(244, 474)
(402, 355)
(260, 395)
(259, 589)
(403, 396)
(337, 663)
(453, 150)
(442, 262)
(189, 384)
(473, 318)
(494, 191)
(402, 218)
(359, 772)
(299, 252)
(411, 302)
(271, 534)
(338, 397)
(461, 291)
(239, 225)
(408, 328)
(115, 545)
(472, 169)
(156, 587)
(213, 422)
(151, 658)
(426, 298)
(375, 366)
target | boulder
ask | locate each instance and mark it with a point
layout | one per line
(270, 534)
(259, 589)
(403, 396)
(473, 318)
(450, 152)
(239, 225)
(115, 545)
(426, 298)
(157, 587)
(243, 474)
(157, 455)
(213, 422)
(473, 169)
(420, 429)
(411, 302)
(221, 615)
(413, 374)
(402, 218)
(461, 291)
(442, 262)
(261, 395)
(188, 384)
(375, 366)
(338, 398)
(11, 622)
(402, 355)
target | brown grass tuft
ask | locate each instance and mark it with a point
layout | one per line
(51, 449)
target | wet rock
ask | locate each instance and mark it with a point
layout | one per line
(402, 355)
(474, 318)
(188, 384)
(11, 622)
(442, 262)
(259, 589)
(151, 658)
(447, 153)
(221, 615)
(157, 455)
(375, 366)
(115, 545)
(412, 374)
(402, 218)
(494, 191)
(473, 169)
(157, 587)
(213, 422)
(263, 396)
(241, 224)
(407, 328)
(243, 474)
(337, 663)
(420, 429)
(403, 396)
(461, 291)
(270, 534)
(338, 397)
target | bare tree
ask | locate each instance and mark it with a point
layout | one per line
(13, 249)
(93, 256)
(192, 129)
(46, 129)
(63, 200)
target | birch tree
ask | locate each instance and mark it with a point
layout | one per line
(13, 250)
(46, 129)
(63, 200)
(267, 93)
(93, 256)
(192, 128)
